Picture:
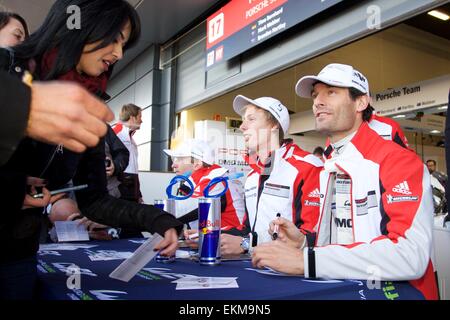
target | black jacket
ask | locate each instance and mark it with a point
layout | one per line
(15, 100)
(119, 152)
(19, 229)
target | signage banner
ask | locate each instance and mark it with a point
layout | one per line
(242, 24)
(412, 97)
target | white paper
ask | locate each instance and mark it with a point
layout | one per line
(201, 280)
(182, 254)
(128, 269)
(67, 231)
(197, 283)
(107, 255)
(64, 246)
(138, 241)
(181, 286)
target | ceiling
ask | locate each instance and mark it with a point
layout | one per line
(432, 25)
(394, 57)
(161, 20)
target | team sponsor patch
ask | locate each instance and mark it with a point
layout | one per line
(343, 222)
(276, 190)
(363, 205)
(361, 202)
(372, 199)
(402, 188)
(343, 184)
(393, 199)
(250, 189)
(314, 194)
(312, 203)
(250, 192)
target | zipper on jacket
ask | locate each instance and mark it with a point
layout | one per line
(324, 207)
(58, 149)
(351, 200)
(263, 177)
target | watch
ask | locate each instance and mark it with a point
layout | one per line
(245, 244)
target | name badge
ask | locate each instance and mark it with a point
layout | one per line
(276, 190)
(251, 192)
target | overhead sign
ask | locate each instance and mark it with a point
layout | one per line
(412, 97)
(429, 123)
(242, 24)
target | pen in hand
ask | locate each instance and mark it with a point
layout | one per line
(275, 229)
(75, 188)
(193, 236)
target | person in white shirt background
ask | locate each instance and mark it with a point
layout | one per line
(130, 121)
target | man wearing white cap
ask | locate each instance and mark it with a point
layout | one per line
(375, 198)
(284, 179)
(387, 128)
(196, 156)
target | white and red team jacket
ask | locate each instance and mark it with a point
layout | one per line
(232, 203)
(290, 186)
(388, 129)
(391, 212)
(123, 133)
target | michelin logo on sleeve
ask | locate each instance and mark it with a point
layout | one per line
(392, 199)
(401, 188)
(312, 203)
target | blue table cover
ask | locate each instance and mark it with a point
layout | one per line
(154, 281)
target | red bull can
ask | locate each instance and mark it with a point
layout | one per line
(166, 205)
(209, 231)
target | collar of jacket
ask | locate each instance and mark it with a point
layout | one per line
(359, 140)
(257, 166)
(202, 172)
(126, 128)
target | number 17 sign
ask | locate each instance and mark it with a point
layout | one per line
(216, 28)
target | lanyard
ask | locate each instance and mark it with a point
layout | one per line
(223, 180)
(206, 192)
(174, 181)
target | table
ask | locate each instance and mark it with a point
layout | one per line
(58, 281)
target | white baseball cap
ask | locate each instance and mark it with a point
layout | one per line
(336, 75)
(274, 106)
(194, 148)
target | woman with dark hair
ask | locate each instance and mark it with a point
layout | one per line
(86, 56)
(13, 29)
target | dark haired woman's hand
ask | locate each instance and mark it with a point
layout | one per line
(189, 236)
(109, 168)
(65, 113)
(30, 202)
(169, 244)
